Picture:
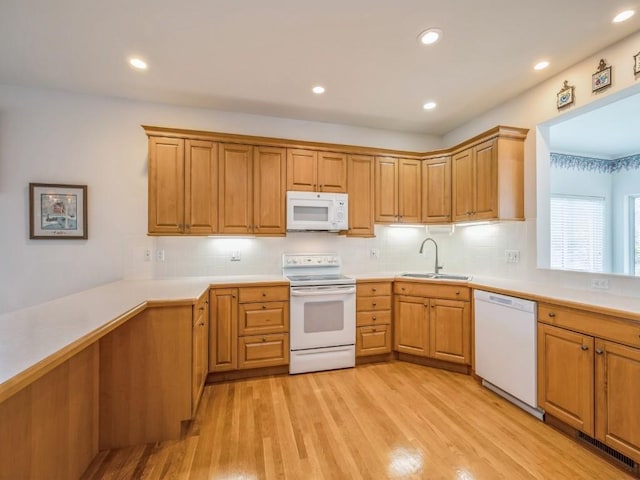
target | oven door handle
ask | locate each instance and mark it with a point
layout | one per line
(317, 293)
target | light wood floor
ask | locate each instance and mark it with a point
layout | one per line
(391, 420)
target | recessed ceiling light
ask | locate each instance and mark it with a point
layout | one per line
(622, 16)
(541, 65)
(430, 36)
(138, 63)
(318, 89)
(429, 105)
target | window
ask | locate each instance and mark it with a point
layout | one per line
(634, 207)
(577, 233)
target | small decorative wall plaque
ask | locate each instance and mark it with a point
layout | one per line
(57, 211)
(636, 64)
(602, 78)
(565, 96)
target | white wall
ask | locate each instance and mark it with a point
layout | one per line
(56, 137)
(536, 109)
(626, 183)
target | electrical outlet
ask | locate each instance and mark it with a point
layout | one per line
(235, 256)
(512, 256)
(374, 253)
(147, 254)
(160, 255)
(600, 283)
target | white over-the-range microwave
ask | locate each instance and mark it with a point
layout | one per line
(317, 212)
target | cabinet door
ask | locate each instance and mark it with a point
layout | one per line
(618, 397)
(360, 181)
(486, 181)
(436, 190)
(462, 185)
(200, 359)
(223, 330)
(373, 340)
(332, 172)
(411, 325)
(409, 191)
(201, 187)
(166, 185)
(450, 331)
(236, 188)
(302, 166)
(269, 194)
(565, 376)
(386, 190)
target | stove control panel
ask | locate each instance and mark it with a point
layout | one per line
(311, 260)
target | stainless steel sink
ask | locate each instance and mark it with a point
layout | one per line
(438, 276)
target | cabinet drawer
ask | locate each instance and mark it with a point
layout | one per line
(373, 318)
(260, 318)
(373, 340)
(373, 303)
(371, 289)
(597, 325)
(263, 350)
(453, 292)
(263, 294)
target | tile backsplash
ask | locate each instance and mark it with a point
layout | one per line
(473, 249)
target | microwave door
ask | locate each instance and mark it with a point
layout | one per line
(310, 215)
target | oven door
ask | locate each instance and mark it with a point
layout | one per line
(322, 316)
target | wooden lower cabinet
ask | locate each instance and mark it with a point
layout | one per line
(433, 320)
(259, 351)
(249, 327)
(373, 317)
(374, 340)
(223, 330)
(565, 376)
(200, 345)
(450, 331)
(617, 387)
(590, 383)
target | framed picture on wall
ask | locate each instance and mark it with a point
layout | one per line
(565, 96)
(602, 78)
(57, 211)
(636, 64)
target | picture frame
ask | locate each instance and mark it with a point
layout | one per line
(602, 78)
(636, 64)
(565, 96)
(57, 211)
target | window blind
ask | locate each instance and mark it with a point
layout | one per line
(577, 233)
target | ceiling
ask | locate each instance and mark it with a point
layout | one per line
(263, 57)
(607, 132)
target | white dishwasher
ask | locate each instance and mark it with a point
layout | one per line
(505, 348)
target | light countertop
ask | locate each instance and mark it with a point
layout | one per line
(34, 338)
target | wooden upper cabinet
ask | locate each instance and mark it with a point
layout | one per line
(397, 190)
(312, 171)
(332, 172)
(166, 185)
(386, 190)
(488, 180)
(617, 386)
(436, 190)
(302, 168)
(361, 174)
(183, 186)
(269, 190)
(409, 191)
(201, 187)
(236, 189)
(565, 376)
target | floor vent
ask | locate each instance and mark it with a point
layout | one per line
(610, 452)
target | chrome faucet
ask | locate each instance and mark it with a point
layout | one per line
(437, 267)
